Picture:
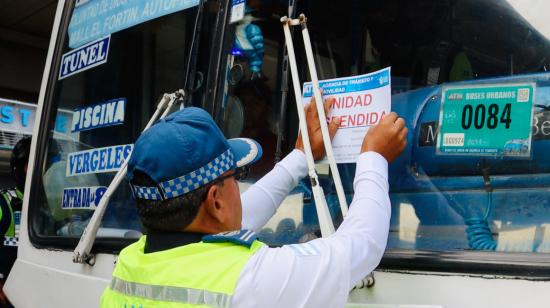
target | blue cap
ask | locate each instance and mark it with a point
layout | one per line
(184, 151)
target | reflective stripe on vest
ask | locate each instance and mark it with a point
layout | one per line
(11, 230)
(171, 294)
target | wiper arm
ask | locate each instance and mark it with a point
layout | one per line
(284, 90)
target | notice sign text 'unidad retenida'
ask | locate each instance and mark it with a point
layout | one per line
(360, 101)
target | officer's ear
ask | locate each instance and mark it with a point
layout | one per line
(213, 204)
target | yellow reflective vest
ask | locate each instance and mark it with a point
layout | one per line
(11, 236)
(195, 275)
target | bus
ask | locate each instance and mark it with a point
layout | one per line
(470, 224)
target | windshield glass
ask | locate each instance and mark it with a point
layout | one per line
(469, 77)
(489, 193)
(108, 86)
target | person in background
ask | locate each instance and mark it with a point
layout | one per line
(256, 99)
(11, 203)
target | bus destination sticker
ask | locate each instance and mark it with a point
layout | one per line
(82, 197)
(107, 113)
(84, 58)
(91, 20)
(107, 159)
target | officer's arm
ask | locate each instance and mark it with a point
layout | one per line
(365, 228)
(364, 231)
(320, 273)
(263, 198)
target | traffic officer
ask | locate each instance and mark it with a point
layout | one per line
(201, 250)
(11, 203)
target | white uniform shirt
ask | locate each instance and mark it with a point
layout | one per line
(319, 273)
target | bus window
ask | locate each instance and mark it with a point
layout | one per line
(101, 110)
(466, 202)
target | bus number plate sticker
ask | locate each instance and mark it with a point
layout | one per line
(82, 197)
(492, 120)
(84, 58)
(104, 114)
(107, 159)
(360, 102)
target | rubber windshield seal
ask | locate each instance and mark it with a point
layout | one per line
(528, 266)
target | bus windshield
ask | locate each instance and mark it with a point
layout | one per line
(446, 197)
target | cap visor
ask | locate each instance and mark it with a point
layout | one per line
(246, 151)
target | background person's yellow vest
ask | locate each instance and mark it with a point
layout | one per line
(194, 275)
(11, 237)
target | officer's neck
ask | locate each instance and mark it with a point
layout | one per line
(212, 219)
(163, 240)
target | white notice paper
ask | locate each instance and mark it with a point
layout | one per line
(361, 101)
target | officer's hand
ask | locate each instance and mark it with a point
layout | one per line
(314, 129)
(388, 138)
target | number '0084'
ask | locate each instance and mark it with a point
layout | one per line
(481, 116)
